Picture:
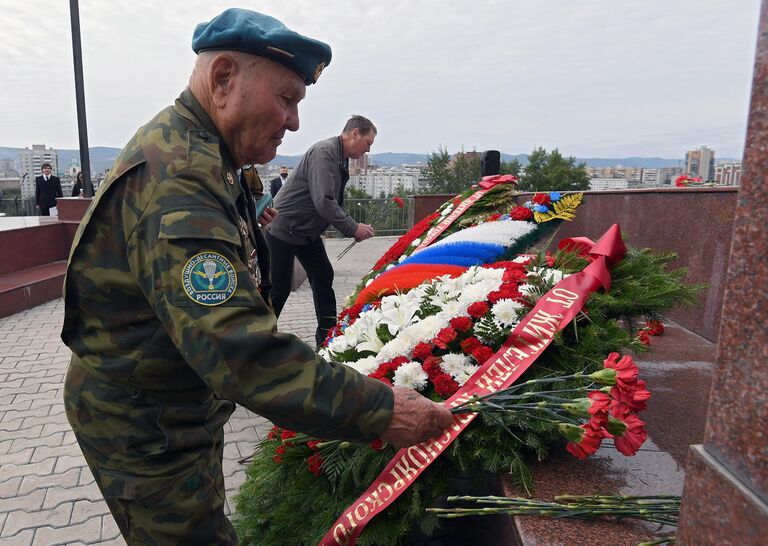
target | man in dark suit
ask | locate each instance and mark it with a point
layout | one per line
(277, 182)
(47, 189)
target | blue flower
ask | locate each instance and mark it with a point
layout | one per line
(366, 307)
(542, 208)
(503, 217)
(555, 196)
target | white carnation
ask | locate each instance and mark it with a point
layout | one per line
(454, 363)
(410, 375)
(464, 374)
(339, 344)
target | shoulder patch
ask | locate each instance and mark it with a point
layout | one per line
(209, 279)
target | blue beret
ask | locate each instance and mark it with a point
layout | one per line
(251, 32)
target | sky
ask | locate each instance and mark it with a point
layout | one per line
(593, 78)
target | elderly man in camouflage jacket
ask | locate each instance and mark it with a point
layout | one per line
(164, 318)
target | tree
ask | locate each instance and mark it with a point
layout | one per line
(451, 176)
(513, 167)
(355, 193)
(552, 172)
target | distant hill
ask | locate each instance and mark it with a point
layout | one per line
(102, 158)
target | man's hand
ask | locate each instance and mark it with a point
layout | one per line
(267, 216)
(415, 419)
(363, 232)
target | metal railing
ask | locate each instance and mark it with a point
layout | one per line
(17, 206)
(384, 215)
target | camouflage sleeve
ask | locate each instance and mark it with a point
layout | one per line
(185, 254)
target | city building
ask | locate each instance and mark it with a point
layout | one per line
(700, 163)
(602, 184)
(359, 165)
(30, 161)
(383, 182)
(728, 174)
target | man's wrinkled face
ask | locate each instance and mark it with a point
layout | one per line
(262, 107)
(46, 171)
(361, 143)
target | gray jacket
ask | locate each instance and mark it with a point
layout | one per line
(312, 196)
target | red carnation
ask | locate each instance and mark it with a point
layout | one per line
(445, 386)
(377, 445)
(444, 337)
(654, 327)
(286, 434)
(521, 213)
(313, 445)
(628, 402)
(482, 353)
(432, 367)
(593, 436)
(541, 199)
(477, 309)
(626, 371)
(470, 344)
(314, 463)
(601, 402)
(642, 335)
(273, 433)
(550, 258)
(493, 217)
(628, 433)
(462, 324)
(422, 351)
(398, 201)
(278, 456)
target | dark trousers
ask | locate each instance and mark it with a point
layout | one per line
(319, 272)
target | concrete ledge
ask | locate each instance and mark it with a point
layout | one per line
(27, 288)
(678, 370)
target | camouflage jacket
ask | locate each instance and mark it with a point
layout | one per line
(160, 297)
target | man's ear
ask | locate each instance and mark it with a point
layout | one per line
(222, 75)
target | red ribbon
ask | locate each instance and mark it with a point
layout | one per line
(553, 312)
(490, 181)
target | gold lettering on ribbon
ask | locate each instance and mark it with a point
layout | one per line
(568, 297)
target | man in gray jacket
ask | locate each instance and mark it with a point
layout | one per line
(309, 201)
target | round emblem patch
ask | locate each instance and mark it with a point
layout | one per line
(209, 278)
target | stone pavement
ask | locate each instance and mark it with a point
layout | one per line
(47, 494)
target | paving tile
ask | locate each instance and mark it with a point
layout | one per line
(85, 510)
(31, 469)
(109, 528)
(45, 452)
(30, 502)
(50, 536)
(55, 517)
(23, 538)
(56, 495)
(17, 457)
(19, 444)
(69, 478)
(10, 488)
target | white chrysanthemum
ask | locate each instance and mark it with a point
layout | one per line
(416, 242)
(339, 344)
(479, 291)
(522, 259)
(401, 345)
(390, 266)
(452, 308)
(526, 289)
(505, 312)
(365, 365)
(368, 282)
(410, 375)
(428, 327)
(454, 363)
(464, 374)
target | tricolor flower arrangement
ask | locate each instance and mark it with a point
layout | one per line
(429, 322)
(685, 181)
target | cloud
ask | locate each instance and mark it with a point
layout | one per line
(591, 77)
